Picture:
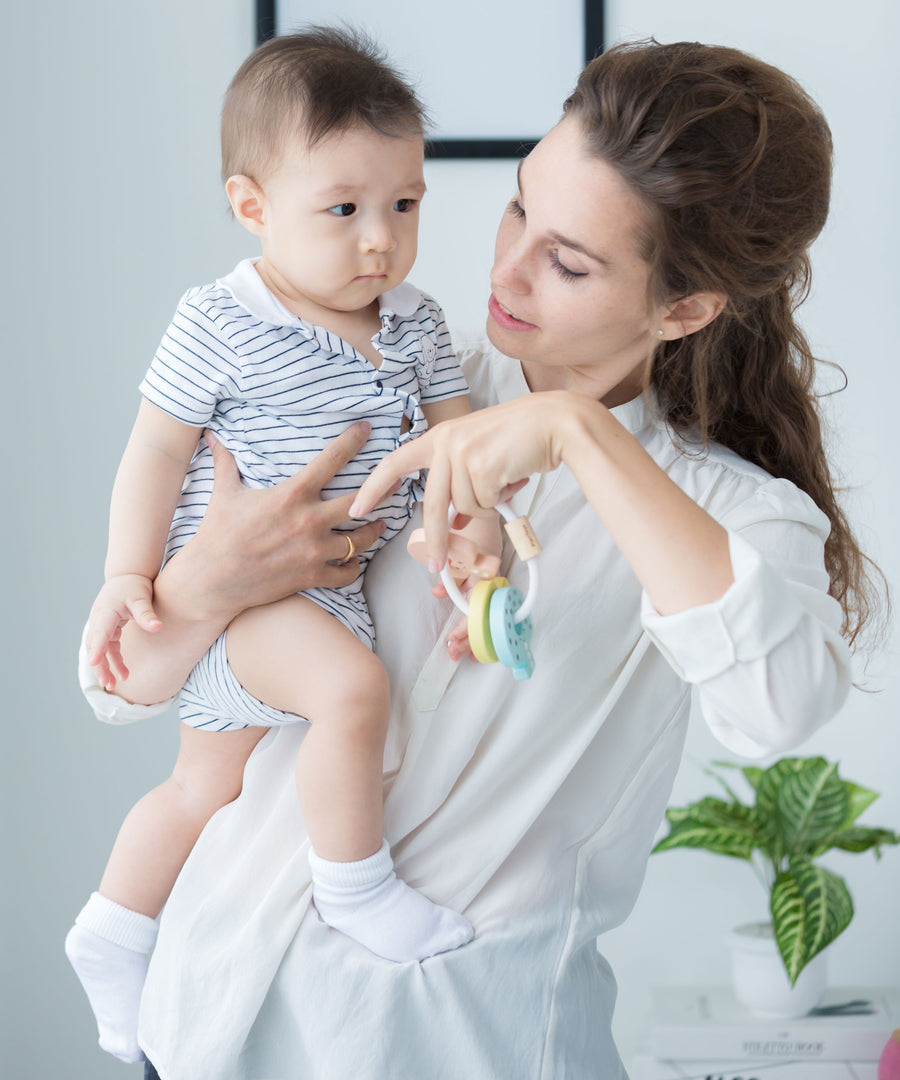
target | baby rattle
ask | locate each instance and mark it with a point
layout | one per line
(499, 617)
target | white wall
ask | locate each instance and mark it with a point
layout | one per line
(111, 207)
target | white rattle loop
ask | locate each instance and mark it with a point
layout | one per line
(527, 548)
(499, 622)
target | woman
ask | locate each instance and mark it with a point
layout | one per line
(650, 382)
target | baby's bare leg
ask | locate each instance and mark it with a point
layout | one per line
(109, 943)
(296, 657)
(161, 829)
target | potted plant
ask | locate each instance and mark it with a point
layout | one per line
(801, 809)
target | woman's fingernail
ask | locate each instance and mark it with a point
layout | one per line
(434, 566)
(354, 509)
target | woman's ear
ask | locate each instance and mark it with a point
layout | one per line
(247, 201)
(691, 314)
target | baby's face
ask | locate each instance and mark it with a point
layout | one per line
(341, 220)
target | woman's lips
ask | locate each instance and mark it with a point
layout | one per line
(505, 318)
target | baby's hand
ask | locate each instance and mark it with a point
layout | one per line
(123, 598)
(458, 641)
(473, 555)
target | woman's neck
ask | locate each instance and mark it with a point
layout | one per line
(587, 381)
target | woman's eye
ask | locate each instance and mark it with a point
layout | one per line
(344, 209)
(403, 206)
(515, 208)
(564, 272)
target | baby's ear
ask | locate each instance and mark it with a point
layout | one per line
(691, 314)
(247, 201)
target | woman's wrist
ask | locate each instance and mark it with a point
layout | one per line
(578, 429)
(193, 588)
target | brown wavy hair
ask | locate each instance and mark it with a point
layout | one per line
(732, 159)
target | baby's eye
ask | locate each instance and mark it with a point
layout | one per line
(403, 206)
(515, 208)
(344, 209)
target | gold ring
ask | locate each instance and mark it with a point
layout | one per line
(351, 551)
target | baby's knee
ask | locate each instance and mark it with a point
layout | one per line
(204, 788)
(363, 695)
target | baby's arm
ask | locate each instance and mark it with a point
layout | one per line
(436, 412)
(144, 498)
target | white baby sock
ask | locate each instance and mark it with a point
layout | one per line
(368, 902)
(108, 947)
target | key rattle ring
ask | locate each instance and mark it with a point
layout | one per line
(498, 615)
(527, 547)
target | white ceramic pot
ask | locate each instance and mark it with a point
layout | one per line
(760, 980)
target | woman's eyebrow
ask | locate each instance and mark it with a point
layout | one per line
(574, 245)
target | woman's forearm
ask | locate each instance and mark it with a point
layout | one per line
(677, 551)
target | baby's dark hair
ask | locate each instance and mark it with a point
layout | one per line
(310, 84)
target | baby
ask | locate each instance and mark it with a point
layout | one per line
(322, 158)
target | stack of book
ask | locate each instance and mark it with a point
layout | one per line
(706, 1034)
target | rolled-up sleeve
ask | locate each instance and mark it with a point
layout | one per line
(767, 659)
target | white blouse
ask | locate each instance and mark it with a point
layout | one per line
(529, 805)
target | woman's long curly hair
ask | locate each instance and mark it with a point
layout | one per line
(732, 159)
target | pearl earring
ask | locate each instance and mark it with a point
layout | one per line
(660, 333)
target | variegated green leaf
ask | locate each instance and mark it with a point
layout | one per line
(753, 775)
(810, 907)
(714, 811)
(812, 803)
(772, 778)
(860, 799)
(859, 838)
(713, 825)
(721, 841)
(767, 788)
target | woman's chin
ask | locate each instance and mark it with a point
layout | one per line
(510, 343)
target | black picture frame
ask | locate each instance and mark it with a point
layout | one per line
(594, 40)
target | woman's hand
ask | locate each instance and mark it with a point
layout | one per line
(475, 462)
(254, 546)
(678, 553)
(258, 545)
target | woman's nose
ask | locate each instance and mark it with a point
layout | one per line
(511, 269)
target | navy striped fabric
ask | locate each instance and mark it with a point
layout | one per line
(275, 390)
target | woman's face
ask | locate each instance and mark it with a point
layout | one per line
(570, 290)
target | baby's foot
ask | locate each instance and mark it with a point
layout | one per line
(112, 974)
(368, 902)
